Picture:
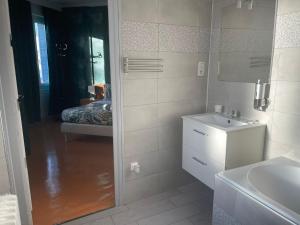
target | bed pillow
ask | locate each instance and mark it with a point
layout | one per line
(99, 91)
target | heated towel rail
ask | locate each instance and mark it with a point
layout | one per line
(9, 210)
(142, 65)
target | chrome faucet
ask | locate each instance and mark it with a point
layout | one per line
(235, 113)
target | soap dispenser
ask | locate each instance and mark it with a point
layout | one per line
(261, 97)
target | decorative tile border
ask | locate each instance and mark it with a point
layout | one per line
(139, 36)
(183, 39)
(288, 31)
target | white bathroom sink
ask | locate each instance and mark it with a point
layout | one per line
(219, 120)
(223, 122)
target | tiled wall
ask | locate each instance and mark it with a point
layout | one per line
(178, 32)
(285, 132)
(283, 115)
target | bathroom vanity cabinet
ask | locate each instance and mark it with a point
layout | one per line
(213, 143)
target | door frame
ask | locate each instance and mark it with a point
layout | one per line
(114, 20)
(11, 120)
(15, 150)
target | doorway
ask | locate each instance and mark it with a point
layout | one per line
(65, 99)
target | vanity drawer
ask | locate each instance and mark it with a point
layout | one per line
(201, 166)
(205, 140)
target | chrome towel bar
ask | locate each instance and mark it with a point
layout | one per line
(142, 65)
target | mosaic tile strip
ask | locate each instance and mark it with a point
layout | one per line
(183, 39)
(139, 36)
(288, 31)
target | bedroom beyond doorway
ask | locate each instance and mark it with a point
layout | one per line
(64, 86)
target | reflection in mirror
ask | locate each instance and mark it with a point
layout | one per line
(243, 39)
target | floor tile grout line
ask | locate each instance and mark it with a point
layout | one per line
(173, 203)
(149, 198)
(168, 211)
(156, 214)
(185, 219)
(136, 221)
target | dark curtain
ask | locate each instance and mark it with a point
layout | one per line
(70, 71)
(83, 23)
(106, 47)
(25, 57)
(78, 65)
(54, 23)
(25, 64)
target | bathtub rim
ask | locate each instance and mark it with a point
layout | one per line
(237, 178)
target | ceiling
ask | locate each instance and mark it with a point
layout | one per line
(58, 4)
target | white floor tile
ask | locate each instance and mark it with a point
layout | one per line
(134, 223)
(97, 216)
(171, 216)
(194, 187)
(183, 222)
(153, 199)
(144, 211)
(201, 218)
(188, 205)
(104, 221)
(189, 197)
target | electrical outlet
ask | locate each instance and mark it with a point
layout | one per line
(201, 69)
(135, 167)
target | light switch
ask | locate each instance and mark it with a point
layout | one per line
(201, 69)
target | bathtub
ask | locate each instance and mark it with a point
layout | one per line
(263, 193)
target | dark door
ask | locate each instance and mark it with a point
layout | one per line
(25, 65)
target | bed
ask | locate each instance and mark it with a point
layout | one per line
(91, 119)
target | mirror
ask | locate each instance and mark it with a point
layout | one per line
(243, 39)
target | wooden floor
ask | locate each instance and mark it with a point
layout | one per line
(68, 180)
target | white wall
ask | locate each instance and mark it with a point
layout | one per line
(285, 131)
(4, 181)
(178, 32)
(282, 117)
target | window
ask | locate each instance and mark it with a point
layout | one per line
(41, 49)
(97, 60)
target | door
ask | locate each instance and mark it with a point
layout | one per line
(12, 119)
(25, 64)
